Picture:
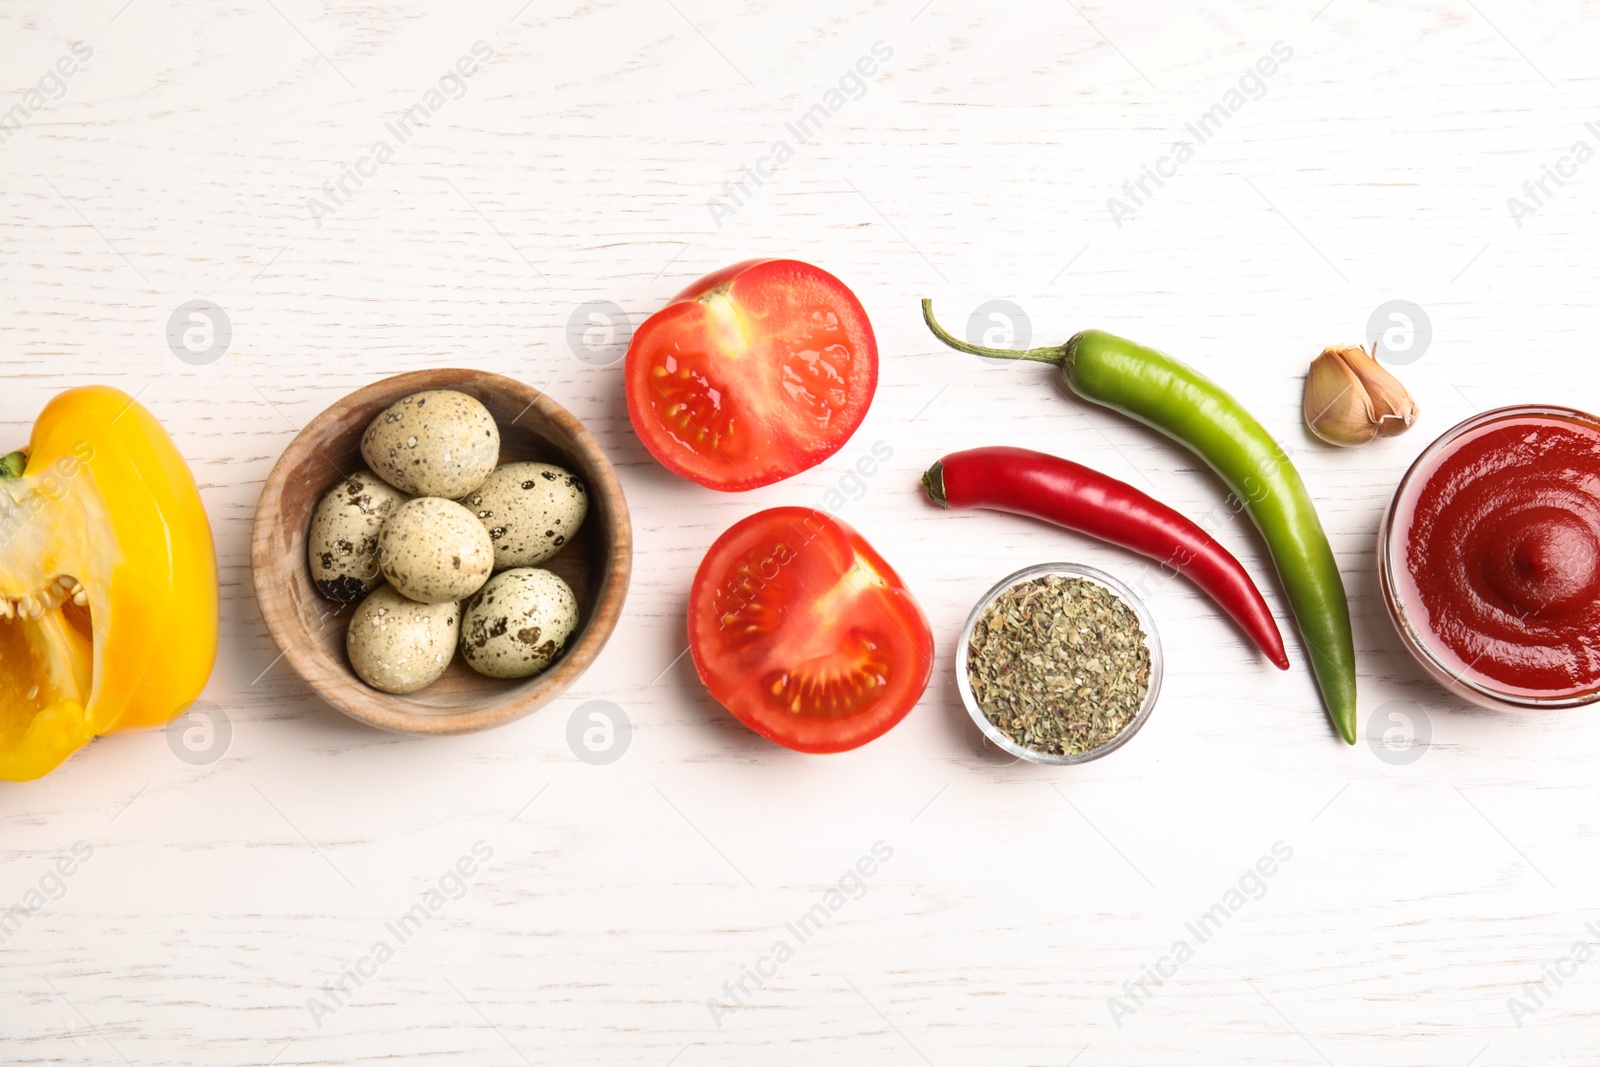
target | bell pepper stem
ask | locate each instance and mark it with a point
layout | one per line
(13, 464)
(1052, 354)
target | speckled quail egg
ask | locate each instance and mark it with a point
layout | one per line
(398, 645)
(342, 543)
(531, 510)
(434, 550)
(519, 621)
(435, 443)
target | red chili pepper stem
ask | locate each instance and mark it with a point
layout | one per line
(933, 482)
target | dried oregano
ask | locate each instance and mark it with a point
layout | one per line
(1058, 664)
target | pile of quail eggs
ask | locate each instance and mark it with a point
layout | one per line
(440, 547)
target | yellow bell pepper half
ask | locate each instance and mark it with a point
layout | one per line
(108, 581)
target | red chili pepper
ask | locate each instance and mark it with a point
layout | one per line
(1068, 494)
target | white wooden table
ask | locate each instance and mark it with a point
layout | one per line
(222, 898)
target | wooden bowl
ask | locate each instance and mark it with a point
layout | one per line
(311, 630)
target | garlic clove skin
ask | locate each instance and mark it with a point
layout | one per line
(1350, 398)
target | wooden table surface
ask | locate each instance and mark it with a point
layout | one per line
(236, 896)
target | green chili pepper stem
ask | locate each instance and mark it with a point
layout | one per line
(13, 464)
(1052, 354)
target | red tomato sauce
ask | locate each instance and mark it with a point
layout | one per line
(1502, 554)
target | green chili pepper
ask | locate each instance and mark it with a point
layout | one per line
(1188, 407)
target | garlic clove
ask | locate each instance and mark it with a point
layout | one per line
(1351, 398)
(1391, 404)
(1337, 408)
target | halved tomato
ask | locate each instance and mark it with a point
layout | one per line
(751, 374)
(802, 631)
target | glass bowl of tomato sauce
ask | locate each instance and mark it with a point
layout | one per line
(1489, 558)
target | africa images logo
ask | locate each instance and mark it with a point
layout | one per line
(852, 85)
(452, 883)
(852, 885)
(1251, 85)
(50, 87)
(1250, 886)
(400, 129)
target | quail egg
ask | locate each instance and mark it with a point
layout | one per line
(434, 550)
(343, 540)
(519, 621)
(531, 510)
(435, 443)
(398, 645)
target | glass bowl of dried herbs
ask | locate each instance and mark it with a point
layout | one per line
(1059, 663)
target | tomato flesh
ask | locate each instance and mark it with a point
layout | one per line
(752, 374)
(805, 634)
